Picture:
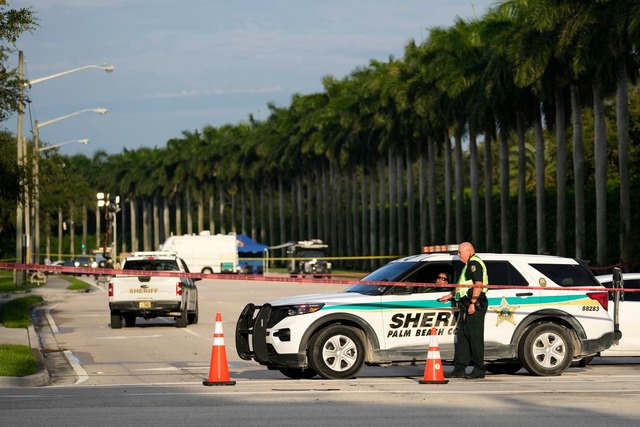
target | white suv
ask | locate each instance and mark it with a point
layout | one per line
(629, 315)
(543, 312)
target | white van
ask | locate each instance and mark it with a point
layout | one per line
(543, 312)
(205, 253)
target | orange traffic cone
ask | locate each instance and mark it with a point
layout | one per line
(433, 373)
(219, 370)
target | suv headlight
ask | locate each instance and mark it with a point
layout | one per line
(296, 310)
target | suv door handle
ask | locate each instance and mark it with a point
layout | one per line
(525, 294)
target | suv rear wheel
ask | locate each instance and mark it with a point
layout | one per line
(547, 349)
(336, 352)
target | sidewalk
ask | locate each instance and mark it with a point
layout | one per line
(29, 337)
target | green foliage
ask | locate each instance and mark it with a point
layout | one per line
(13, 22)
(17, 361)
(17, 312)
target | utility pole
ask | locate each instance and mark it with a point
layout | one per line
(20, 276)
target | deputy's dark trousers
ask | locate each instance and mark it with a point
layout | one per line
(470, 342)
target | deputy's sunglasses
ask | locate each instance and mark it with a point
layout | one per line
(443, 279)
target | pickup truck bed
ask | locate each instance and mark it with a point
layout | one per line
(150, 296)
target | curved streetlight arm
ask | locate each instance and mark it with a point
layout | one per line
(49, 147)
(98, 110)
(105, 67)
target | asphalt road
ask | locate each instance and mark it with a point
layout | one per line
(152, 374)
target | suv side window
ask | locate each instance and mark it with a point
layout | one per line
(428, 274)
(503, 273)
(567, 275)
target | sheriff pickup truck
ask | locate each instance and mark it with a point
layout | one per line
(150, 296)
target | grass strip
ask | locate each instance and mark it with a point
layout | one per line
(17, 361)
(76, 284)
(17, 312)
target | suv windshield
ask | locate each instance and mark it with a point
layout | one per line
(392, 272)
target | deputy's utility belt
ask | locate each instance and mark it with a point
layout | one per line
(464, 302)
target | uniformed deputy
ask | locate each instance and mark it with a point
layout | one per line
(470, 294)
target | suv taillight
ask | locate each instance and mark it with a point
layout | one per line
(601, 297)
(179, 288)
(110, 289)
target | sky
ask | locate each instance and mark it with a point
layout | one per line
(181, 65)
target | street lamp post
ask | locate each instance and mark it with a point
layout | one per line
(21, 213)
(36, 160)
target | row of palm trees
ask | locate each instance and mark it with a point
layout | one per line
(425, 149)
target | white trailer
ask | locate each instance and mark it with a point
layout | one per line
(205, 253)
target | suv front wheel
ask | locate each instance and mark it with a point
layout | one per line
(547, 349)
(336, 352)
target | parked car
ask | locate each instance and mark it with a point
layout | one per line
(629, 315)
(83, 261)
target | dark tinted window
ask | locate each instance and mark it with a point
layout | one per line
(503, 273)
(151, 265)
(568, 275)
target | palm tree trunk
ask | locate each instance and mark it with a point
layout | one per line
(166, 218)
(540, 182)
(411, 199)
(522, 171)
(212, 210)
(310, 210)
(488, 192)
(600, 160)
(504, 191)
(281, 213)
(400, 198)
(221, 205)
(459, 185)
(373, 236)
(432, 191)
(382, 200)
(189, 212)
(561, 174)
(200, 210)
(233, 212)
(156, 222)
(178, 202)
(134, 225)
(622, 121)
(364, 215)
(146, 243)
(447, 188)
(422, 196)
(474, 180)
(578, 171)
(392, 204)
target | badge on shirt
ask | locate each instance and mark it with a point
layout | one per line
(473, 268)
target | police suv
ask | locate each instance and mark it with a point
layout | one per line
(543, 312)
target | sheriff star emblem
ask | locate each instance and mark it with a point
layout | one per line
(505, 312)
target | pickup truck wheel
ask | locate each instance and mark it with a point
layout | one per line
(336, 352)
(182, 321)
(116, 320)
(193, 317)
(129, 320)
(547, 349)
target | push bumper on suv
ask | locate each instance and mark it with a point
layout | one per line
(251, 339)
